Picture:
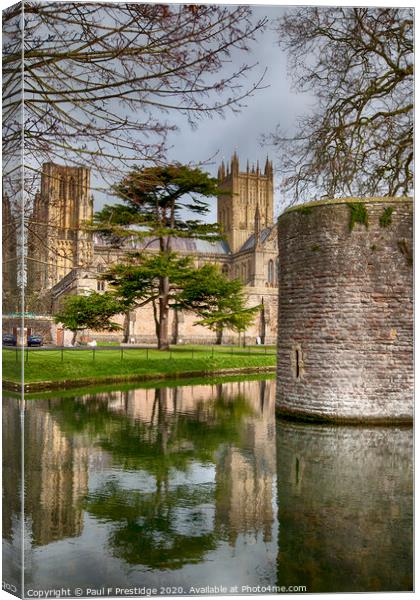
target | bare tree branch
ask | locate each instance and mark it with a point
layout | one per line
(358, 63)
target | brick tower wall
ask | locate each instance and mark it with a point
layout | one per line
(345, 348)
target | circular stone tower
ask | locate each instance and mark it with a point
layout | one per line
(345, 350)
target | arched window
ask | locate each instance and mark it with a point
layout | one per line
(270, 271)
(225, 270)
(244, 273)
(72, 188)
(62, 187)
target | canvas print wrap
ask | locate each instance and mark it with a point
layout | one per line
(207, 249)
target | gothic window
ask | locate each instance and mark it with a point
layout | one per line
(276, 276)
(244, 273)
(72, 188)
(270, 272)
(225, 270)
(237, 272)
(100, 285)
(62, 185)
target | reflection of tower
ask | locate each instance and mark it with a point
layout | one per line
(12, 448)
(245, 476)
(56, 478)
(246, 197)
(345, 507)
(12, 489)
(56, 241)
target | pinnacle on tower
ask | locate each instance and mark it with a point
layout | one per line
(268, 169)
(221, 174)
(235, 163)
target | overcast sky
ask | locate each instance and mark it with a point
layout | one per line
(274, 105)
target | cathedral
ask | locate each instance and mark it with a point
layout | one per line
(64, 258)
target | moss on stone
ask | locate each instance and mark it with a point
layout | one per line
(315, 248)
(341, 201)
(385, 219)
(358, 214)
(304, 209)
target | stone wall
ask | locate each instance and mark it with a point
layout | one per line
(345, 349)
(39, 325)
(182, 328)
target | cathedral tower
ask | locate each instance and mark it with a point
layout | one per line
(242, 193)
(56, 240)
(10, 255)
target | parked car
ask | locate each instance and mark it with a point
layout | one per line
(34, 340)
(9, 339)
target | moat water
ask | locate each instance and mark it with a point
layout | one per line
(199, 488)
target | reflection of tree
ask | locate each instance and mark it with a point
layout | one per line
(147, 529)
(171, 440)
(75, 416)
(176, 439)
(165, 528)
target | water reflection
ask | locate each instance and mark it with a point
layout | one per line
(12, 490)
(56, 477)
(345, 507)
(184, 486)
(155, 477)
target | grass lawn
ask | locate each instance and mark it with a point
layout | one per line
(74, 365)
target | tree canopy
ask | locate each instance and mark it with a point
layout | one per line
(89, 312)
(154, 200)
(228, 307)
(358, 64)
(205, 291)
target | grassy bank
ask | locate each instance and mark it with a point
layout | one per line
(103, 365)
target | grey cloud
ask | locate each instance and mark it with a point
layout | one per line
(274, 105)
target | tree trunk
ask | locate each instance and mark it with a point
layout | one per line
(156, 318)
(73, 341)
(262, 323)
(219, 335)
(175, 328)
(126, 326)
(163, 338)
